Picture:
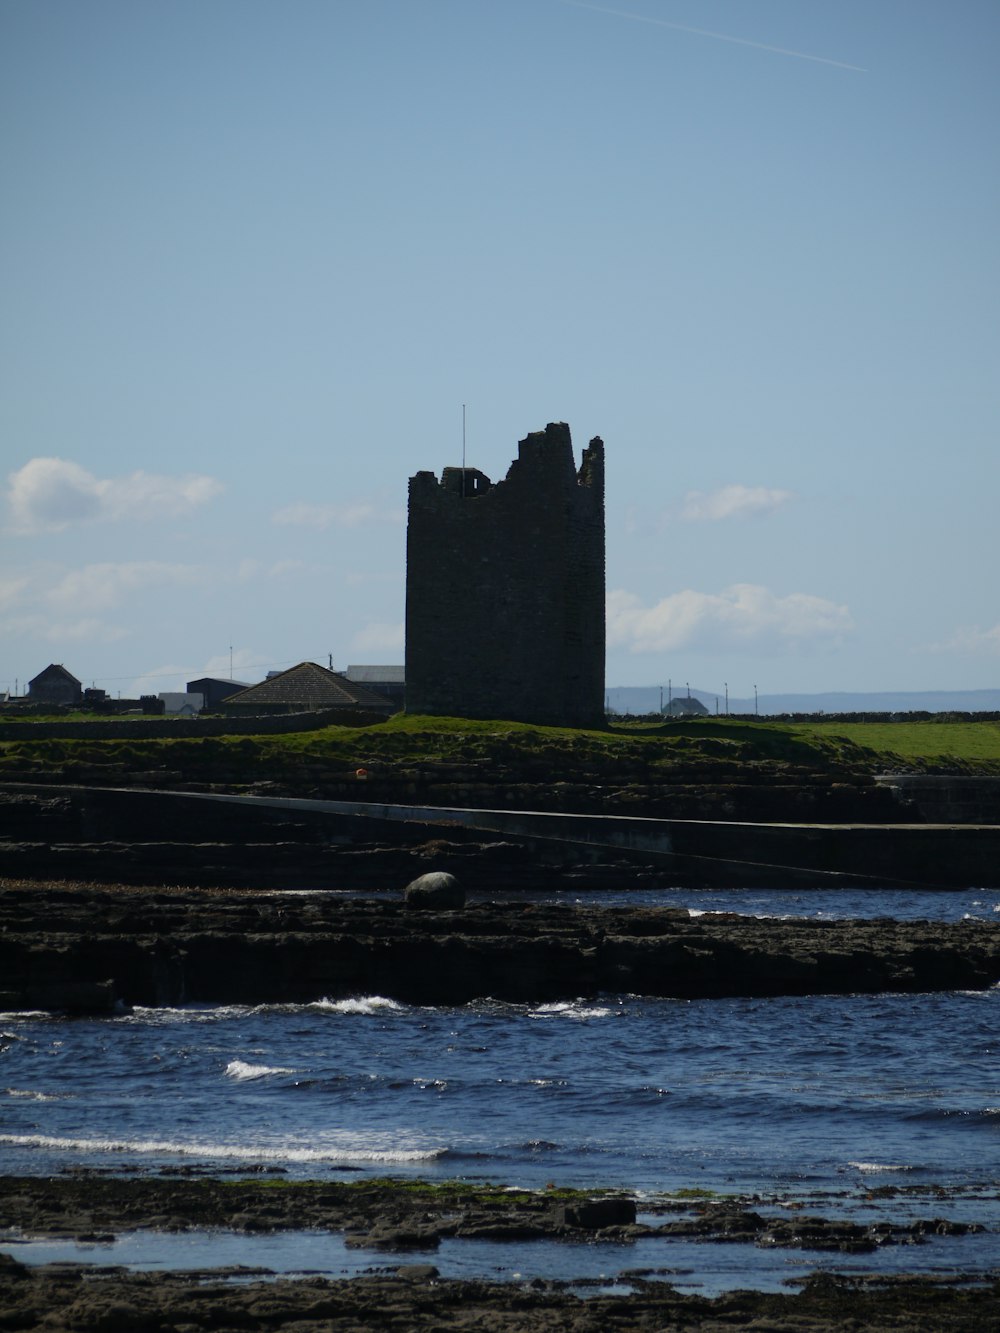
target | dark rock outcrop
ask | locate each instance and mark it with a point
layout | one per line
(172, 946)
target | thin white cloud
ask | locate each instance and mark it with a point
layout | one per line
(101, 587)
(90, 629)
(375, 638)
(282, 567)
(717, 36)
(246, 665)
(361, 578)
(732, 502)
(146, 495)
(971, 641)
(12, 590)
(341, 516)
(51, 494)
(742, 616)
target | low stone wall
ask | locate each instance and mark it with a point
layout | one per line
(189, 837)
(946, 799)
(187, 728)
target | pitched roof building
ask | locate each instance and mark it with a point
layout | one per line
(389, 681)
(306, 688)
(213, 689)
(55, 685)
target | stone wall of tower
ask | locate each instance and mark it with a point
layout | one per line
(505, 588)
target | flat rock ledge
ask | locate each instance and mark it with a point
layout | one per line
(407, 1292)
(89, 948)
(413, 1296)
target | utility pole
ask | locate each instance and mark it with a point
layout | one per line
(756, 711)
(727, 698)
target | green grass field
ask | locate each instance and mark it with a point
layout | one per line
(639, 751)
(976, 742)
(962, 746)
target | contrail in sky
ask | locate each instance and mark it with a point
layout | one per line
(719, 36)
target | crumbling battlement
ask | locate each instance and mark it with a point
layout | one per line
(505, 587)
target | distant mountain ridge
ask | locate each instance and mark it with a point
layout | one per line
(646, 699)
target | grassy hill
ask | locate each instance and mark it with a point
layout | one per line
(414, 754)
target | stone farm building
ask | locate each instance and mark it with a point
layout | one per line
(55, 685)
(389, 681)
(308, 688)
(213, 689)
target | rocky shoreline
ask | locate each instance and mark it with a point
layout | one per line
(92, 948)
(526, 839)
(406, 1221)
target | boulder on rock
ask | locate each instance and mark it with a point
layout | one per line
(437, 890)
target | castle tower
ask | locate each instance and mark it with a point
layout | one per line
(505, 588)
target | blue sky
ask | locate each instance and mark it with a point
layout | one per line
(256, 257)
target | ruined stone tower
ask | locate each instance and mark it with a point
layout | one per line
(505, 588)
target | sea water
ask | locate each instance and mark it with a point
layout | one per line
(818, 1097)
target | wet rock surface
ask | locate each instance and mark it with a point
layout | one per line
(86, 948)
(393, 1215)
(414, 1297)
(410, 1293)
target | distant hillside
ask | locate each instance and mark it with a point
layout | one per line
(646, 699)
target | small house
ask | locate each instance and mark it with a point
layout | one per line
(213, 689)
(55, 685)
(307, 688)
(686, 707)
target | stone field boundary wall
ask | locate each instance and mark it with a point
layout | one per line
(187, 728)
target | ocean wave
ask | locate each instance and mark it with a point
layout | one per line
(363, 1004)
(874, 1168)
(239, 1069)
(972, 1115)
(194, 1013)
(29, 1095)
(238, 1152)
(205, 1013)
(571, 1009)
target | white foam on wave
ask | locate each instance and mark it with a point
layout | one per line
(194, 1013)
(361, 1004)
(239, 1069)
(874, 1168)
(30, 1095)
(570, 1009)
(239, 1152)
